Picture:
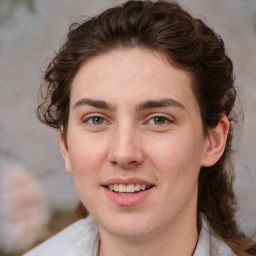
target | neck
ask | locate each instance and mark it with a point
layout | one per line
(179, 239)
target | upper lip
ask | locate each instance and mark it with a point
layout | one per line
(126, 181)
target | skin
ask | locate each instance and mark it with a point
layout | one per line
(162, 144)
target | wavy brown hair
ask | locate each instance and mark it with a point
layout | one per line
(185, 42)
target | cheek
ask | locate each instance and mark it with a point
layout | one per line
(85, 164)
(86, 160)
(86, 153)
(178, 159)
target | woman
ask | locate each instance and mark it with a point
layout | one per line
(143, 96)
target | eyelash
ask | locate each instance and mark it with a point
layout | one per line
(164, 118)
(87, 120)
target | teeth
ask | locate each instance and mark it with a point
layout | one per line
(116, 187)
(131, 188)
(122, 188)
(143, 187)
(137, 187)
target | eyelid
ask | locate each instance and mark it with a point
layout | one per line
(93, 115)
(166, 116)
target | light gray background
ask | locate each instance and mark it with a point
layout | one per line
(27, 41)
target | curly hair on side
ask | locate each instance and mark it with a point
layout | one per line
(189, 44)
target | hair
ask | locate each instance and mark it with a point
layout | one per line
(187, 43)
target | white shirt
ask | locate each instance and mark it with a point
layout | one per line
(81, 239)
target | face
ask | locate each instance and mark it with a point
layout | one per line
(135, 143)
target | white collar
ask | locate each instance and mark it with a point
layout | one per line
(81, 239)
(208, 244)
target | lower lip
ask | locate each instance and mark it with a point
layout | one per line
(129, 199)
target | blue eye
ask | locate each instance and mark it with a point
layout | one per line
(96, 120)
(159, 120)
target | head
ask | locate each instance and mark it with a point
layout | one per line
(184, 43)
(187, 43)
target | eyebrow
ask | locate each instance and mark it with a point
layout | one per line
(94, 103)
(168, 102)
(160, 103)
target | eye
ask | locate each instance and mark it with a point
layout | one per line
(95, 120)
(159, 120)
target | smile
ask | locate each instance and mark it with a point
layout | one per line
(128, 194)
(130, 188)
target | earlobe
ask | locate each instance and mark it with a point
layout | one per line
(64, 151)
(216, 142)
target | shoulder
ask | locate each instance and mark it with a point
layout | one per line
(208, 244)
(74, 240)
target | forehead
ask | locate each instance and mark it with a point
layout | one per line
(131, 74)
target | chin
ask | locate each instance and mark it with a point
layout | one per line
(128, 226)
(129, 233)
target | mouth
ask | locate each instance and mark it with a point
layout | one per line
(129, 189)
(128, 192)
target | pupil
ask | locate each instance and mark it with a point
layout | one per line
(97, 120)
(159, 120)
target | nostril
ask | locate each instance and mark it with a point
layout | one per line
(132, 163)
(114, 162)
(124, 163)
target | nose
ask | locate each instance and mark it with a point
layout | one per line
(125, 148)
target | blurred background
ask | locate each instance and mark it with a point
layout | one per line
(32, 173)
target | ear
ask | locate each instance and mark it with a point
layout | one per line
(64, 151)
(216, 142)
